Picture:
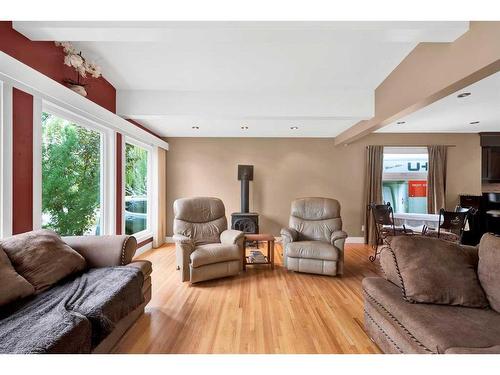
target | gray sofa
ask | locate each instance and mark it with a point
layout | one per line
(399, 324)
(314, 240)
(87, 312)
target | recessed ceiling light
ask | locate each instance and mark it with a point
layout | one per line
(195, 127)
(294, 127)
(463, 95)
(474, 122)
(244, 127)
(401, 122)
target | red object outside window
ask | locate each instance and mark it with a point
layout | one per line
(417, 188)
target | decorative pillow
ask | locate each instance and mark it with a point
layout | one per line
(12, 285)
(42, 257)
(489, 268)
(435, 271)
(389, 267)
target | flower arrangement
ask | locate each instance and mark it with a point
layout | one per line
(73, 58)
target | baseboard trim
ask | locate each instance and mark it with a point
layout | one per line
(355, 240)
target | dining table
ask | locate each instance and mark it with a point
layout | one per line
(413, 220)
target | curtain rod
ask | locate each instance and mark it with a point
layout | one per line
(406, 146)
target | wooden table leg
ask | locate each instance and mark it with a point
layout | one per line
(244, 255)
(269, 251)
(272, 254)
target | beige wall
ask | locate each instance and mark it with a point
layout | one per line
(287, 168)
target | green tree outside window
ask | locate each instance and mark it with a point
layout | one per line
(136, 188)
(70, 177)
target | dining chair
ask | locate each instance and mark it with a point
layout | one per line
(451, 225)
(383, 216)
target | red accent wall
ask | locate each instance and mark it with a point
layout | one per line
(119, 182)
(22, 162)
(48, 59)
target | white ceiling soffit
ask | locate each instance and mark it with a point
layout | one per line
(269, 76)
(454, 115)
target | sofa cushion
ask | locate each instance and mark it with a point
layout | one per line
(488, 268)
(12, 285)
(312, 250)
(435, 271)
(443, 235)
(388, 264)
(214, 253)
(75, 315)
(435, 327)
(42, 258)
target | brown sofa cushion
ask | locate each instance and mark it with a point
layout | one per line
(388, 264)
(42, 258)
(489, 268)
(435, 271)
(12, 285)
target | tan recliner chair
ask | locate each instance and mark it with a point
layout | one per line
(205, 249)
(314, 241)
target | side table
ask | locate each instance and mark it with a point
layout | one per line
(259, 238)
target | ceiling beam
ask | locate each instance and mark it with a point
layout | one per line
(241, 32)
(346, 103)
(431, 72)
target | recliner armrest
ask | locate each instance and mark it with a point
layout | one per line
(179, 238)
(231, 236)
(104, 251)
(337, 239)
(290, 234)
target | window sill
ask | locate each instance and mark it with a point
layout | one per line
(143, 236)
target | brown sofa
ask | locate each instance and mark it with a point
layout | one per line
(399, 324)
(105, 251)
(72, 323)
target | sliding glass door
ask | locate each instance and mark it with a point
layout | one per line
(137, 188)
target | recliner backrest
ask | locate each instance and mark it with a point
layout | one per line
(202, 218)
(315, 218)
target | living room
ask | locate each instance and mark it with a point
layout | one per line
(254, 184)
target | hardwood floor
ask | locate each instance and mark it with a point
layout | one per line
(259, 311)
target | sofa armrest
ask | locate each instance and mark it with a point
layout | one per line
(231, 236)
(145, 266)
(289, 234)
(337, 239)
(104, 251)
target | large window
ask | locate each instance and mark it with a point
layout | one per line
(71, 177)
(137, 182)
(404, 179)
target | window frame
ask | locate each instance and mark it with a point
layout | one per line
(107, 161)
(405, 150)
(149, 231)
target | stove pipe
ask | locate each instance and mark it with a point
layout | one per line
(245, 175)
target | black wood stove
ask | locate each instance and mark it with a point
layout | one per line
(245, 221)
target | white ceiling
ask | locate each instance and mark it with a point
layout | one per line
(454, 115)
(269, 76)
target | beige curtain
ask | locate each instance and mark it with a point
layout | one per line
(161, 230)
(436, 179)
(373, 187)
